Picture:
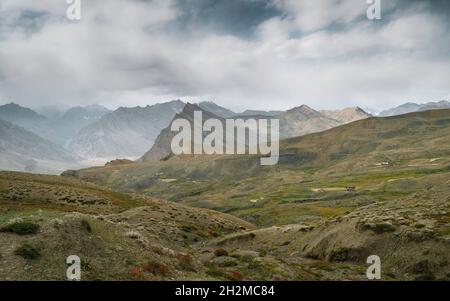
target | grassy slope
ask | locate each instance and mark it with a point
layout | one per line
(314, 170)
(117, 236)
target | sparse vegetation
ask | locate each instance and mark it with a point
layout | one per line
(23, 228)
(236, 276)
(186, 262)
(216, 273)
(86, 226)
(27, 251)
(156, 268)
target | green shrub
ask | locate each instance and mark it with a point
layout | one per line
(216, 273)
(86, 226)
(21, 228)
(27, 251)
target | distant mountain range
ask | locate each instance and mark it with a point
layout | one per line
(21, 150)
(58, 129)
(94, 133)
(296, 122)
(347, 115)
(124, 133)
(414, 107)
(211, 107)
(72, 121)
(304, 120)
(162, 146)
(260, 113)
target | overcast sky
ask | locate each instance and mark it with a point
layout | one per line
(265, 54)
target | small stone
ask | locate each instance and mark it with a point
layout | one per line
(225, 261)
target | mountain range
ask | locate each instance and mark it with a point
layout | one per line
(124, 133)
(95, 134)
(414, 107)
(293, 123)
(57, 129)
(21, 150)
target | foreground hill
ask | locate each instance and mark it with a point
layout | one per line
(410, 234)
(44, 219)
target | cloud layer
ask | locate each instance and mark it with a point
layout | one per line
(267, 54)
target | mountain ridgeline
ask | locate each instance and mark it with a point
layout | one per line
(293, 123)
(22, 150)
(347, 186)
(124, 133)
(414, 107)
(95, 135)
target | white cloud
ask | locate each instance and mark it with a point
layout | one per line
(318, 14)
(129, 53)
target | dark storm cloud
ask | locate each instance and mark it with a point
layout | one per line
(236, 17)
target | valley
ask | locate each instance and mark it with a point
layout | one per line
(174, 141)
(379, 186)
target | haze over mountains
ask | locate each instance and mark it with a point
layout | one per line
(58, 129)
(124, 133)
(414, 107)
(22, 150)
(95, 135)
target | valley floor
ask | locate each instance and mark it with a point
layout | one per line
(132, 237)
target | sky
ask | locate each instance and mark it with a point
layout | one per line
(242, 54)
